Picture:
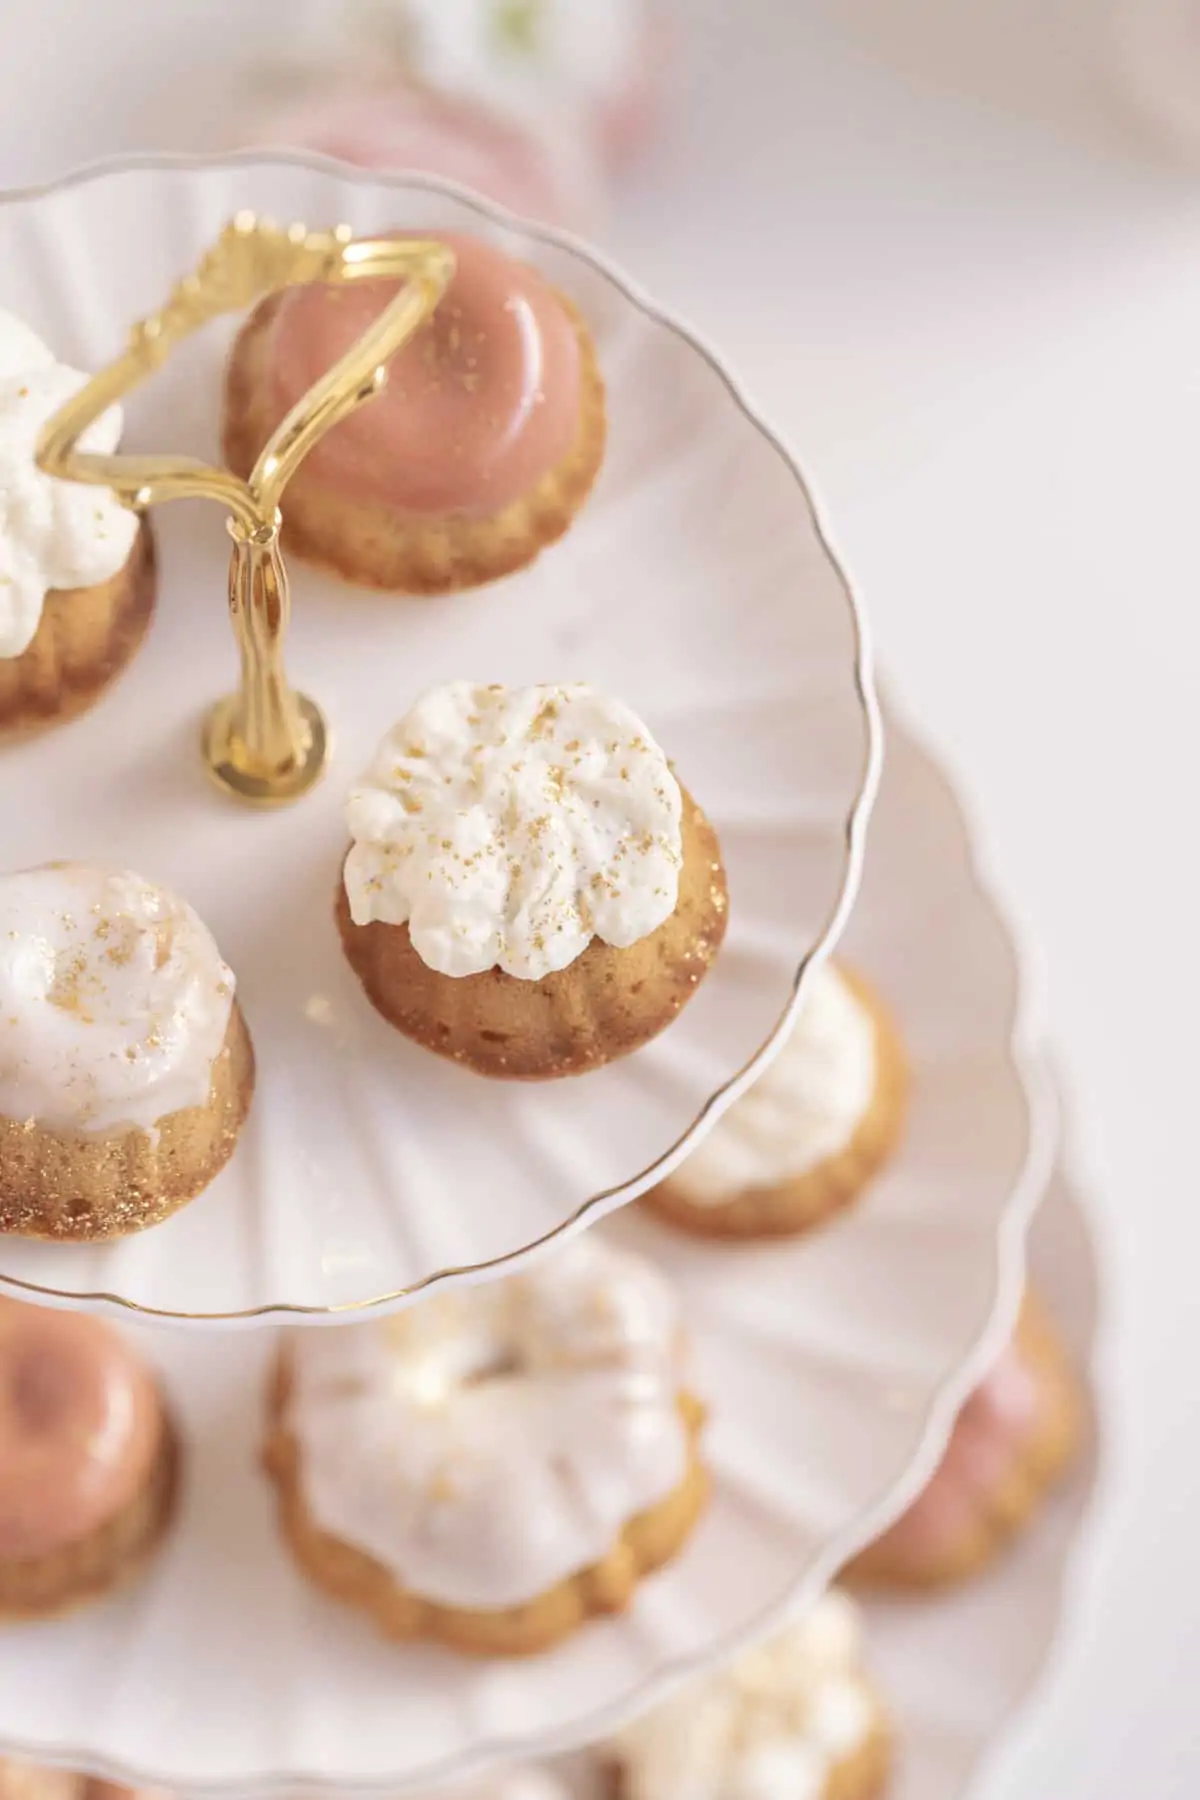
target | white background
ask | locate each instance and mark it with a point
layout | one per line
(969, 291)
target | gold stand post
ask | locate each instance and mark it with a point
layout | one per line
(265, 744)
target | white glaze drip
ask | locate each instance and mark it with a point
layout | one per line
(489, 1443)
(508, 826)
(114, 1000)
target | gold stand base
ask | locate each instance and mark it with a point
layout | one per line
(226, 758)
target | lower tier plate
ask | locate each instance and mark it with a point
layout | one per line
(959, 1671)
(832, 1366)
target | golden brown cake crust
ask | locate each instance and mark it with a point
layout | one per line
(1044, 1460)
(603, 1005)
(788, 1207)
(862, 1775)
(33, 1781)
(349, 1574)
(104, 1560)
(374, 546)
(79, 1186)
(85, 639)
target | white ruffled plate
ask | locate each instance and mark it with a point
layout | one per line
(696, 584)
(957, 1670)
(833, 1368)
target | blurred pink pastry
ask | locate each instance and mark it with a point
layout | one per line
(630, 108)
(401, 125)
(534, 106)
(87, 1460)
(1013, 1441)
(478, 453)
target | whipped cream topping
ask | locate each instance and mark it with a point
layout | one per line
(772, 1726)
(114, 1000)
(20, 348)
(803, 1108)
(53, 534)
(507, 827)
(491, 1442)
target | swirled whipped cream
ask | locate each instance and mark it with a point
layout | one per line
(804, 1107)
(53, 534)
(114, 1000)
(20, 348)
(490, 1443)
(507, 827)
(772, 1726)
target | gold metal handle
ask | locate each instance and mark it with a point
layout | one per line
(264, 743)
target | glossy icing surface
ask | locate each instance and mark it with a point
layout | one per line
(482, 403)
(80, 1425)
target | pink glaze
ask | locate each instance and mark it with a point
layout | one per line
(628, 115)
(990, 1431)
(402, 126)
(478, 407)
(80, 1425)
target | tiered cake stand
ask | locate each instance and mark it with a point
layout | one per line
(699, 585)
